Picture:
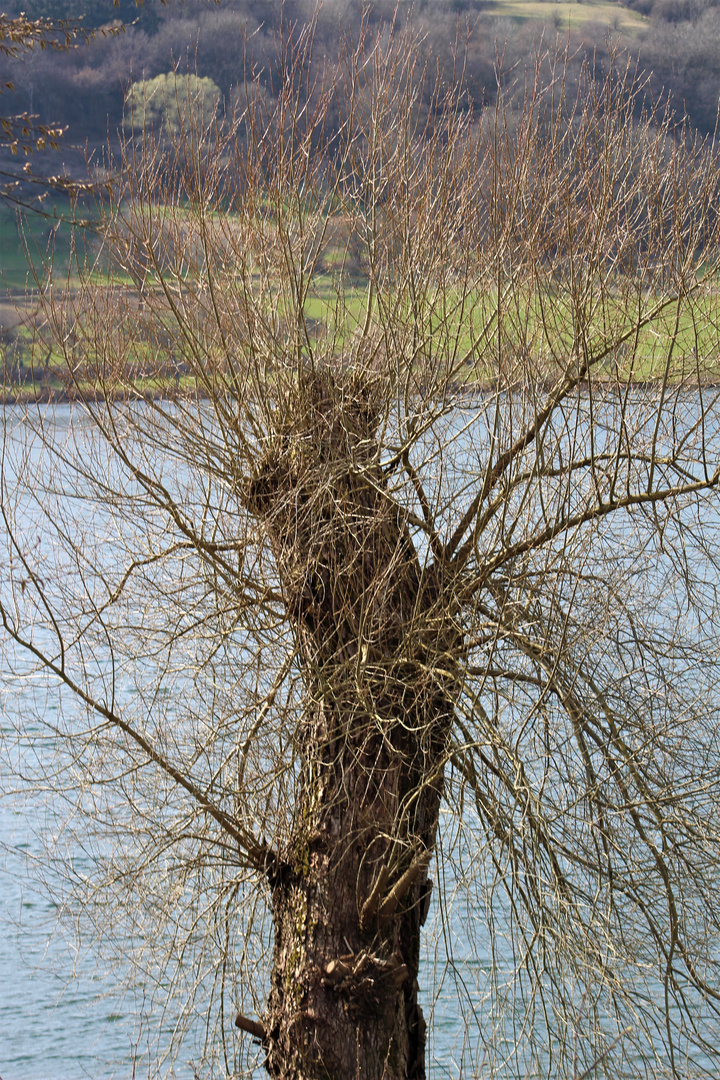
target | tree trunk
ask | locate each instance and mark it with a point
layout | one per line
(351, 890)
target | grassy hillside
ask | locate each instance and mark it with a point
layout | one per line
(571, 14)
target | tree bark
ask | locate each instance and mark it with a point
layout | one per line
(351, 889)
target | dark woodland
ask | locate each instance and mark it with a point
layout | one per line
(678, 52)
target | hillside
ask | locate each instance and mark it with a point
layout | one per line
(676, 42)
(572, 15)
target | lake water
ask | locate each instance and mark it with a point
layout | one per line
(61, 1014)
(64, 1014)
(63, 1017)
(55, 1021)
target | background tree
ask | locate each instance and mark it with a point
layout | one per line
(384, 540)
(673, 40)
(167, 102)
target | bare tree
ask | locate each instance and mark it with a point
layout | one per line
(383, 536)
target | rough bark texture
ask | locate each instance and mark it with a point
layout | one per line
(351, 890)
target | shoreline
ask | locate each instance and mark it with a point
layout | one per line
(52, 396)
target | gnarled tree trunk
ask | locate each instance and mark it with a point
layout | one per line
(351, 890)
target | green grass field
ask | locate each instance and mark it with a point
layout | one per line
(32, 243)
(448, 330)
(570, 15)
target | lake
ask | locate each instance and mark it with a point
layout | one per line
(66, 1014)
(64, 1017)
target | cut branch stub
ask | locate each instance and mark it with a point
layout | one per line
(252, 1027)
(347, 973)
(371, 905)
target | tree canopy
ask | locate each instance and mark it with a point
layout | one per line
(168, 102)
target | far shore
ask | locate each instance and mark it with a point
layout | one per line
(43, 395)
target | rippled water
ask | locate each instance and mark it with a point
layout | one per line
(62, 1016)
(60, 1019)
